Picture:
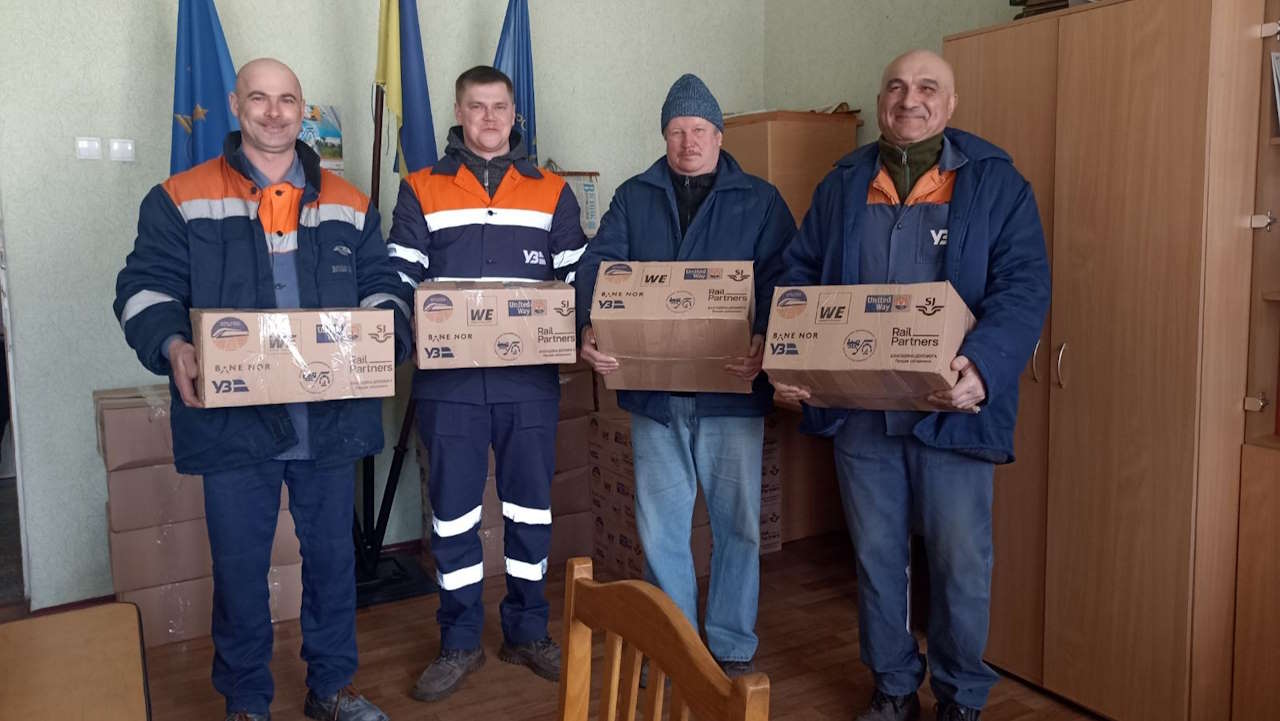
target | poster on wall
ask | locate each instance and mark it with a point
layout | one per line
(322, 130)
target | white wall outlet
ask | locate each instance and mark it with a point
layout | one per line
(120, 150)
(89, 148)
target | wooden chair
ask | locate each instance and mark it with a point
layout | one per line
(639, 621)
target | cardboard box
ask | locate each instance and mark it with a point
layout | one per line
(480, 324)
(577, 394)
(793, 150)
(571, 536)
(606, 400)
(176, 552)
(133, 426)
(156, 495)
(879, 347)
(811, 503)
(184, 611)
(257, 358)
(571, 443)
(673, 326)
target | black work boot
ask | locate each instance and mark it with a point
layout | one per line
(541, 656)
(950, 711)
(445, 674)
(345, 705)
(891, 708)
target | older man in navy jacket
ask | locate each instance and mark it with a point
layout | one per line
(928, 203)
(697, 204)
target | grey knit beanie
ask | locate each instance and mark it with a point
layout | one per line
(689, 97)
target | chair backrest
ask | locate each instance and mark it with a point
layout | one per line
(640, 621)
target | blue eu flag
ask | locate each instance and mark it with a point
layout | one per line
(203, 77)
(515, 58)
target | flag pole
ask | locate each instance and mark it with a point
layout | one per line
(376, 176)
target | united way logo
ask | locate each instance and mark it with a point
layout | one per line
(792, 303)
(229, 333)
(437, 307)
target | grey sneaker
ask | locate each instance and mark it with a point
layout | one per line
(346, 705)
(246, 716)
(948, 711)
(541, 656)
(445, 674)
(734, 669)
(892, 708)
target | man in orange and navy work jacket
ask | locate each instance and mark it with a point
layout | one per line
(484, 212)
(263, 226)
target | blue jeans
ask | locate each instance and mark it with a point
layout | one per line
(890, 485)
(723, 452)
(242, 507)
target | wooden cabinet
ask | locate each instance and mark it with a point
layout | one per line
(1007, 83)
(793, 150)
(1255, 692)
(1126, 535)
(1256, 695)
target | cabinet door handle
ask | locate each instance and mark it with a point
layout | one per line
(1062, 349)
(1035, 362)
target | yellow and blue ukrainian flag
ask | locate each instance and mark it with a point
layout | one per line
(402, 72)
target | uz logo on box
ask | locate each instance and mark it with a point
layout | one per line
(534, 257)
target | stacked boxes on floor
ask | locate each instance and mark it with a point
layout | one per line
(571, 517)
(159, 545)
(616, 548)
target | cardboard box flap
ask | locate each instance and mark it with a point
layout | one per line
(674, 325)
(133, 426)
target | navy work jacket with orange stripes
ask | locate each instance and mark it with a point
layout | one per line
(991, 248)
(201, 244)
(446, 227)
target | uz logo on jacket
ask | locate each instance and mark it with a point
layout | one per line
(534, 257)
(939, 236)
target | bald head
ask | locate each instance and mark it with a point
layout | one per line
(917, 97)
(268, 103)
(266, 69)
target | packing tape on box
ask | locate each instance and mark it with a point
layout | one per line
(173, 596)
(273, 592)
(157, 400)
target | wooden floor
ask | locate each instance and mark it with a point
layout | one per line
(808, 648)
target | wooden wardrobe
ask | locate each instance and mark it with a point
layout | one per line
(1136, 123)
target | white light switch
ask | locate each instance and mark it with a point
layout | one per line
(120, 149)
(89, 148)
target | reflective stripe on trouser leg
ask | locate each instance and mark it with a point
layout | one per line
(456, 436)
(524, 442)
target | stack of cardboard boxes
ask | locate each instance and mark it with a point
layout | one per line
(159, 544)
(571, 518)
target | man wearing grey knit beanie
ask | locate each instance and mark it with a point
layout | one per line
(697, 204)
